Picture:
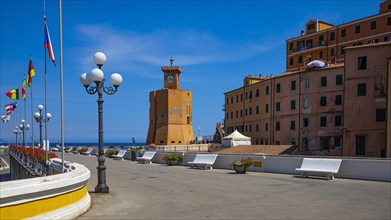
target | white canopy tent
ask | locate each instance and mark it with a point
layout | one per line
(235, 139)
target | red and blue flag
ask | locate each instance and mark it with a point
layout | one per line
(48, 44)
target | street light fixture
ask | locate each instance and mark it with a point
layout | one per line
(39, 118)
(97, 76)
(24, 127)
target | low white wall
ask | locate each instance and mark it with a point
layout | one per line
(355, 168)
(25, 194)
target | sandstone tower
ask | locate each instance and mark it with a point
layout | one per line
(170, 111)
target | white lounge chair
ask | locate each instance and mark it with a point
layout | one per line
(318, 165)
(120, 155)
(88, 152)
(69, 150)
(203, 160)
(147, 157)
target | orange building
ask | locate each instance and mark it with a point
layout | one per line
(170, 112)
(337, 110)
(323, 41)
(365, 127)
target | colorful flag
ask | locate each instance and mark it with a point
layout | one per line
(10, 107)
(13, 94)
(48, 44)
(5, 118)
(24, 90)
(30, 73)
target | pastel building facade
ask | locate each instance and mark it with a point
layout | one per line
(319, 110)
(324, 41)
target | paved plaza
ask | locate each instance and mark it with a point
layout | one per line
(157, 191)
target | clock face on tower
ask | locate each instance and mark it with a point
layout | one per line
(170, 78)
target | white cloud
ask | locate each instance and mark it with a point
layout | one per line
(137, 51)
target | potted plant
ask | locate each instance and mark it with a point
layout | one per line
(240, 166)
(172, 159)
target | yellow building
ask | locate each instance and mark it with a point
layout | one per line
(170, 112)
(323, 41)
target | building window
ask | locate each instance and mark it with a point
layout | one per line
(361, 89)
(308, 44)
(257, 110)
(300, 59)
(332, 36)
(373, 41)
(373, 25)
(357, 29)
(241, 97)
(293, 85)
(388, 38)
(323, 81)
(251, 94)
(323, 121)
(257, 93)
(338, 80)
(310, 26)
(278, 106)
(267, 127)
(362, 63)
(278, 88)
(381, 115)
(251, 111)
(343, 49)
(291, 61)
(293, 104)
(305, 122)
(343, 33)
(267, 108)
(323, 101)
(241, 113)
(389, 21)
(338, 120)
(277, 126)
(332, 52)
(321, 42)
(267, 90)
(321, 54)
(256, 127)
(293, 125)
(291, 46)
(227, 102)
(360, 145)
(338, 100)
(245, 112)
(306, 83)
(337, 141)
(305, 103)
(245, 96)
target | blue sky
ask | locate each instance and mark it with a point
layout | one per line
(216, 43)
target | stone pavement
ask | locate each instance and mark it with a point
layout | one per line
(157, 191)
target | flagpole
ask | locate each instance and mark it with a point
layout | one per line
(32, 112)
(24, 104)
(46, 106)
(61, 87)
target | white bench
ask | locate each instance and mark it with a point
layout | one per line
(203, 160)
(147, 157)
(328, 166)
(120, 155)
(88, 152)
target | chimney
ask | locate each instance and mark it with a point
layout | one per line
(302, 33)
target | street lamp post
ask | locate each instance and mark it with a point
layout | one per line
(16, 131)
(97, 76)
(24, 127)
(39, 118)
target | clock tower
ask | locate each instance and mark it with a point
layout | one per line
(170, 112)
